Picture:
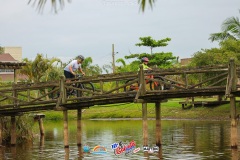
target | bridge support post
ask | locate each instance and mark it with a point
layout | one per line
(79, 128)
(63, 90)
(13, 131)
(65, 128)
(39, 118)
(232, 87)
(158, 124)
(234, 132)
(145, 124)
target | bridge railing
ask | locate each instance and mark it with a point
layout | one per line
(120, 85)
(26, 94)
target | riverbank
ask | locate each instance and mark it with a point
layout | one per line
(169, 110)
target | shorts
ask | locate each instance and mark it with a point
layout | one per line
(68, 75)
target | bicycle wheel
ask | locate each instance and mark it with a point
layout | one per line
(55, 94)
(88, 89)
(157, 85)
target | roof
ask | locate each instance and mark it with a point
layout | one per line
(6, 57)
(8, 62)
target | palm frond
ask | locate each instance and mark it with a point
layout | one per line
(40, 4)
(143, 4)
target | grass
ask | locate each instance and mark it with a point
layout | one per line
(169, 110)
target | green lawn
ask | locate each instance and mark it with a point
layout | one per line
(169, 110)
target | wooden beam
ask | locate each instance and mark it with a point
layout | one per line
(144, 124)
(13, 131)
(158, 125)
(65, 129)
(234, 123)
(79, 127)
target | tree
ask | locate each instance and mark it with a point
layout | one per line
(218, 56)
(143, 4)
(230, 29)
(1, 50)
(60, 3)
(39, 69)
(162, 60)
(90, 69)
(149, 42)
(126, 67)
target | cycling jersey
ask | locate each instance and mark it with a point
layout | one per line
(74, 65)
(145, 67)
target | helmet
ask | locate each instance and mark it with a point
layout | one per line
(80, 57)
(145, 59)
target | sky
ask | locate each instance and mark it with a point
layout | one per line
(91, 27)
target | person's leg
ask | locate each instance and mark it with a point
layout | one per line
(68, 76)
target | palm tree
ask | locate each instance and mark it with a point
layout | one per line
(89, 68)
(230, 29)
(41, 3)
(39, 68)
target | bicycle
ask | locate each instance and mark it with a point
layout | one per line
(152, 85)
(85, 89)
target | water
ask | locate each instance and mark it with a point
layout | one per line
(181, 140)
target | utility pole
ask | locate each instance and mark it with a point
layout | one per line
(113, 58)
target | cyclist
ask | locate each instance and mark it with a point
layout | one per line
(145, 61)
(70, 71)
(73, 66)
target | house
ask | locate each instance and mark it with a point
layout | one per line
(185, 61)
(15, 52)
(8, 66)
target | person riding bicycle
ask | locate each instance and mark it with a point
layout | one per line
(73, 66)
(145, 61)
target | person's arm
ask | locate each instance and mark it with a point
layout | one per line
(71, 70)
(80, 69)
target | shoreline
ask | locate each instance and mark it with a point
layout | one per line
(165, 119)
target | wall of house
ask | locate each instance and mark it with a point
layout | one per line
(15, 52)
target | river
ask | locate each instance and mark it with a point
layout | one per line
(181, 140)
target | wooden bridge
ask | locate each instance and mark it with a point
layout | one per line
(154, 86)
(172, 83)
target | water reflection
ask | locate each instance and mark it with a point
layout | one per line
(195, 140)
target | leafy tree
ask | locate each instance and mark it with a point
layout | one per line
(89, 68)
(218, 56)
(126, 67)
(107, 68)
(230, 29)
(149, 42)
(39, 69)
(162, 60)
(159, 59)
(1, 50)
